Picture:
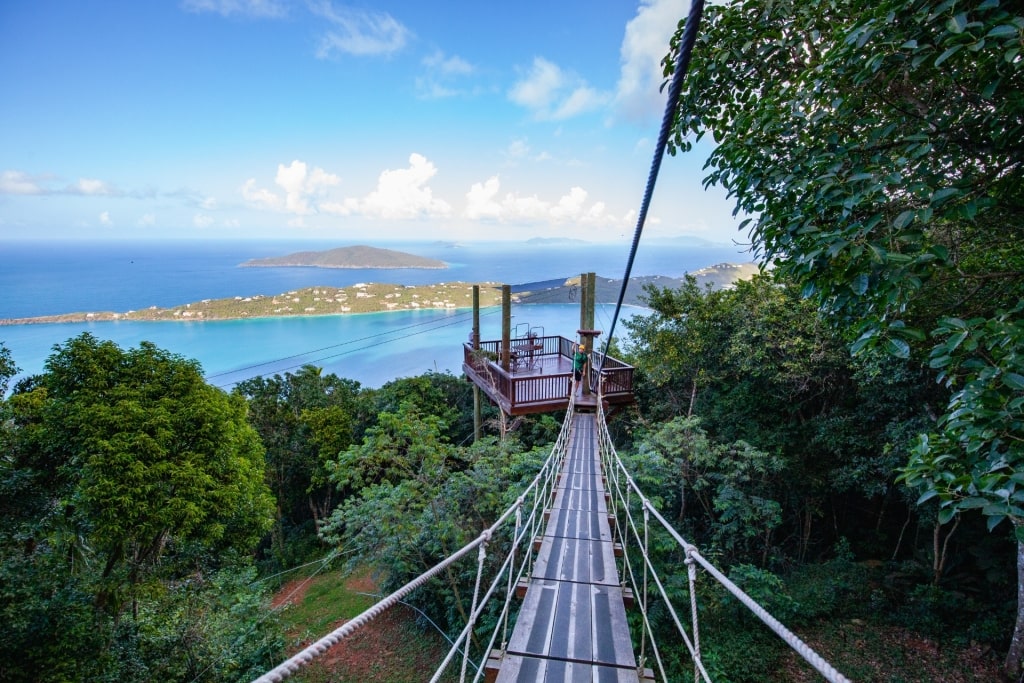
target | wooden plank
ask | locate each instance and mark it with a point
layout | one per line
(571, 559)
(574, 621)
(572, 624)
(522, 669)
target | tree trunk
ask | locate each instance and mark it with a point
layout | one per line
(1013, 656)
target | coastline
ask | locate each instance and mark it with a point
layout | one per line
(387, 297)
(304, 302)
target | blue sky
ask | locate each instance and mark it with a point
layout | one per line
(317, 119)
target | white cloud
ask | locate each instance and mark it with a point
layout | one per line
(90, 186)
(553, 94)
(359, 32)
(638, 96)
(232, 223)
(105, 218)
(147, 220)
(442, 75)
(202, 220)
(300, 186)
(480, 201)
(17, 182)
(401, 193)
(261, 196)
(269, 9)
(448, 66)
(209, 203)
(483, 203)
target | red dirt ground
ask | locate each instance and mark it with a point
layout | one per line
(371, 652)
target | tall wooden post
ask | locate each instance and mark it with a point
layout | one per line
(506, 326)
(584, 289)
(588, 335)
(475, 339)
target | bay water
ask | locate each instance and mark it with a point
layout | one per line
(47, 278)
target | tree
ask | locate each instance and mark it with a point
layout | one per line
(128, 486)
(304, 420)
(877, 151)
(131, 452)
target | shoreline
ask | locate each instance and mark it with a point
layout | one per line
(305, 302)
(388, 297)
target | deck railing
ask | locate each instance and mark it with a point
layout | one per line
(534, 379)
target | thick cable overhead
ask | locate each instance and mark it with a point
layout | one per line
(682, 65)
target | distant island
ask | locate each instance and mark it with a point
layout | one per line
(373, 298)
(356, 257)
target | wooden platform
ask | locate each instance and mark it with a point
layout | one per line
(572, 625)
(538, 379)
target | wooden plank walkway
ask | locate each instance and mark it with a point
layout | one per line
(572, 625)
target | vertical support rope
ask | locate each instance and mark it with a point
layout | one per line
(481, 556)
(643, 598)
(691, 571)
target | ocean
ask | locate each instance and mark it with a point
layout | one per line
(46, 278)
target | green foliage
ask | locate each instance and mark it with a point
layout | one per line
(128, 483)
(7, 368)
(304, 420)
(983, 426)
(419, 499)
(876, 150)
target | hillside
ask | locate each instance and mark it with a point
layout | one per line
(372, 298)
(347, 257)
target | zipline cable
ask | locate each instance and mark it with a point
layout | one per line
(682, 65)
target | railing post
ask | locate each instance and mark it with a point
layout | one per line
(691, 571)
(480, 557)
(511, 572)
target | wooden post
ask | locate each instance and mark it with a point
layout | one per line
(477, 417)
(584, 290)
(506, 326)
(587, 333)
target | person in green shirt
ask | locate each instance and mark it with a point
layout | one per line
(579, 362)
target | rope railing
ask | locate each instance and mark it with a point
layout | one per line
(533, 498)
(634, 535)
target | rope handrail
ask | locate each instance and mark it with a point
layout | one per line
(539, 487)
(617, 473)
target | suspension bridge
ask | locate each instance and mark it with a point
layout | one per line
(575, 556)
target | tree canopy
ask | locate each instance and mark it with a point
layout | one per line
(877, 153)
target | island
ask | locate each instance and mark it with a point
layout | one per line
(374, 298)
(357, 257)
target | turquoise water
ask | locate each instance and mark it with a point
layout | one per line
(51, 278)
(372, 348)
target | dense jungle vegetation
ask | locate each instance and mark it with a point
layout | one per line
(844, 435)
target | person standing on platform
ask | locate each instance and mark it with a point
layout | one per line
(579, 363)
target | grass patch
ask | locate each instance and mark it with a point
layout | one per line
(393, 647)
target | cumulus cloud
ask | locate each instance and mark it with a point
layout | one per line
(105, 218)
(401, 193)
(359, 32)
(264, 9)
(17, 182)
(202, 220)
(638, 96)
(147, 220)
(483, 203)
(300, 185)
(551, 93)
